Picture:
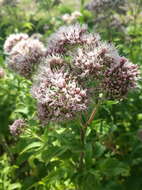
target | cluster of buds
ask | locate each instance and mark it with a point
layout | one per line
(120, 78)
(12, 40)
(101, 5)
(114, 75)
(109, 14)
(94, 58)
(68, 36)
(58, 94)
(75, 69)
(17, 127)
(24, 53)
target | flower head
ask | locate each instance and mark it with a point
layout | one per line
(101, 5)
(94, 58)
(113, 75)
(59, 95)
(17, 127)
(12, 40)
(66, 35)
(25, 56)
(119, 79)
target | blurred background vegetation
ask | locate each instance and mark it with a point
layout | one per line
(113, 161)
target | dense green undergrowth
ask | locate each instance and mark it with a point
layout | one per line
(48, 158)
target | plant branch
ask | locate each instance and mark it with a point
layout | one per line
(92, 115)
(83, 129)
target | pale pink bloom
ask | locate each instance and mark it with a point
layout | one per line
(119, 79)
(25, 56)
(58, 95)
(17, 127)
(92, 59)
(12, 40)
(66, 35)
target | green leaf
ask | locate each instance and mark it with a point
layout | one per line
(88, 154)
(31, 146)
(111, 102)
(22, 110)
(52, 152)
(15, 186)
(99, 149)
(113, 167)
(28, 25)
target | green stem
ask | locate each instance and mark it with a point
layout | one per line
(82, 138)
(83, 130)
(82, 4)
(92, 115)
(6, 147)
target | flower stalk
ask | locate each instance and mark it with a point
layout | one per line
(83, 130)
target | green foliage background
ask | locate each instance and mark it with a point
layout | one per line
(48, 158)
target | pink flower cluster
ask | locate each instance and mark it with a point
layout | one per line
(24, 53)
(12, 40)
(73, 70)
(100, 5)
(92, 59)
(17, 127)
(58, 94)
(120, 78)
(67, 36)
(114, 75)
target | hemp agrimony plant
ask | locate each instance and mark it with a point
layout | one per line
(73, 73)
(74, 70)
